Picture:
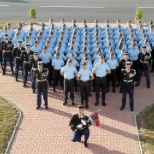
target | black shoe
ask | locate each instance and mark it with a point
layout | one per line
(85, 144)
(117, 85)
(120, 91)
(113, 90)
(96, 103)
(12, 73)
(122, 108)
(151, 71)
(148, 86)
(54, 89)
(82, 103)
(90, 95)
(132, 110)
(73, 103)
(79, 140)
(93, 90)
(37, 107)
(33, 91)
(86, 106)
(46, 107)
(104, 103)
(136, 85)
(107, 90)
(65, 102)
(24, 85)
(16, 80)
(3, 73)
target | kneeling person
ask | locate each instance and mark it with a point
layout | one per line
(80, 124)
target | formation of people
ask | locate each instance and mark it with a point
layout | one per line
(82, 56)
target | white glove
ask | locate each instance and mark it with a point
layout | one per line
(83, 122)
(79, 126)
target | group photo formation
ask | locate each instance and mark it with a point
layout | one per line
(95, 59)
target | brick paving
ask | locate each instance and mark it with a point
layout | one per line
(47, 131)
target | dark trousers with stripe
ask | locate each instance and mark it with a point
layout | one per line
(10, 59)
(100, 83)
(84, 91)
(57, 77)
(68, 86)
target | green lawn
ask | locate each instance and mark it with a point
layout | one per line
(13, 23)
(145, 121)
(8, 118)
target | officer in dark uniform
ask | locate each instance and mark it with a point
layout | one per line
(16, 52)
(127, 79)
(41, 75)
(33, 65)
(143, 66)
(101, 69)
(69, 72)
(7, 47)
(80, 124)
(84, 75)
(26, 56)
(122, 65)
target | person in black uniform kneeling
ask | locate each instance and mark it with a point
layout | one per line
(80, 124)
(127, 80)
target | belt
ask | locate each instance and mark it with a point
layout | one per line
(101, 77)
(26, 61)
(41, 80)
(144, 62)
(85, 80)
(18, 57)
(128, 80)
(69, 79)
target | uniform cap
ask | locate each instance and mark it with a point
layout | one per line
(84, 63)
(69, 60)
(50, 19)
(8, 23)
(128, 63)
(62, 20)
(35, 53)
(39, 63)
(19, 41)
(95, 20)
(45, 47)
(73, 20)
(6, 34)
(31, 23)
(126, 53)
(27, 45)
(144, 46)
(84, 20)
(101, 56)
(80, 107)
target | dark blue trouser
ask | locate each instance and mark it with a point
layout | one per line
(147, 75)
(25, 75)
(131, 97)
(38, 96)
(33, 82)
(77, 135)
(16, 70)
(4, 62)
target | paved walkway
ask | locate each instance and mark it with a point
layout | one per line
(47, 131)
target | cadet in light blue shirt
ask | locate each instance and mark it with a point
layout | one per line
(69, 72)
(75, 63)
(45, 56)
(112, 62)
(84, 75)
(101, 69)
(133, 53)
(57, 63)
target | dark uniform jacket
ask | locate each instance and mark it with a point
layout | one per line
(33, 62)
(122, 63)
(7, 47)
(41, 78)
(127, 79)
(143, 60)
(76, 120)
(26, 58)
(16, 53)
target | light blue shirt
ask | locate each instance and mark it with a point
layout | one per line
(69, 71)
(57, 63)
(46, 57)
(133, 54)
(84, 74)
(101, 69)
(112, 63)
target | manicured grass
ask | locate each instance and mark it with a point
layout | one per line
(145, 121)
(13, 23)
(8, 118)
